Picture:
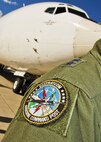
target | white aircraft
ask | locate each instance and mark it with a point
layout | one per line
(38, 37)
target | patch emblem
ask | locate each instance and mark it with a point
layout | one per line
(45, 103)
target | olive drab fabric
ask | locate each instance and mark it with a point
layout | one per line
(81, 121)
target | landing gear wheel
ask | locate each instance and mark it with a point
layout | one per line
(1, 67)
(18, 85)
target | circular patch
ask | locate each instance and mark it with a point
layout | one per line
(45, 103)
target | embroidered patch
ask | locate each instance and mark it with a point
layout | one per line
(45, 103)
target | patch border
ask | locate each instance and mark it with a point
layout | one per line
(60, 113)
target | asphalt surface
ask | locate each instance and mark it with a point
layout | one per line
(9, 102)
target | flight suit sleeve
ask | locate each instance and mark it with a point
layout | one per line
(75, 124)
(89, 117)
(22, 130)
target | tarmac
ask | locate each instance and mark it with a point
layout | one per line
(9, 102)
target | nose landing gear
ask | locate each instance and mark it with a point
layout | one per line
(17, 86)
(22, 83)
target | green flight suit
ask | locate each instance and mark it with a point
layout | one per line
(81, 121)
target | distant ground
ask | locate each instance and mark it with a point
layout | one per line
(9, 102)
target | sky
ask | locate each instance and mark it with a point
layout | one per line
(92, 7)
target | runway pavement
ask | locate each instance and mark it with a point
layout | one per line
(9, 102)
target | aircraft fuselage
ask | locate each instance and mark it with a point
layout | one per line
(34, 40)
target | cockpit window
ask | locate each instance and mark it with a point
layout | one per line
(50, 10)
(60, 10)
(79, 13)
